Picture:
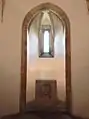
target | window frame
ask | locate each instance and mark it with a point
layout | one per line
(42, 54)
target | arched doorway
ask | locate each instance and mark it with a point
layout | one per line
(27, 21)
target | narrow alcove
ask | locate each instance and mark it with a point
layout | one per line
(51, 24)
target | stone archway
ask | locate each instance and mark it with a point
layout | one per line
(27, 21)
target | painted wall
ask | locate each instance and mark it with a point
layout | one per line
(10, 53)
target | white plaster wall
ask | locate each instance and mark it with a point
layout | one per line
(45, 68)
(10, 53)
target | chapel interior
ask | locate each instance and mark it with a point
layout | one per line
(44, 59)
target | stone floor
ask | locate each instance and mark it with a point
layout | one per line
(40, 115)
(35, 111)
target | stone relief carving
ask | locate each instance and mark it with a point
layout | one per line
(46, 89)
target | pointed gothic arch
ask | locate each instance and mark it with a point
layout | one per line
(26, 23)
